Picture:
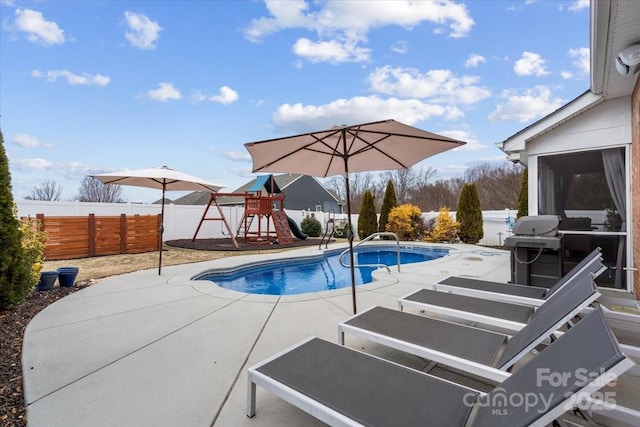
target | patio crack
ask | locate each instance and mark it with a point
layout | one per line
(244, 364)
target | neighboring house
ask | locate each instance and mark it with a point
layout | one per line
(584, 158)
(301, 193)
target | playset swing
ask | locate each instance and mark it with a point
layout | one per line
(263, 206)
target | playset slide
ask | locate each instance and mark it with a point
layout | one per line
(295, 229)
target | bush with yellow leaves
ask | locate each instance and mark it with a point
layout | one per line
(445, 229)
(406, 221)
(33, 244)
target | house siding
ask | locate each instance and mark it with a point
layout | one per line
(635, 181)
(603, 126)
(305, 193)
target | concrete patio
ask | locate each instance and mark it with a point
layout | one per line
(148, 350)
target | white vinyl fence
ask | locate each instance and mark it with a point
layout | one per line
(181, 221)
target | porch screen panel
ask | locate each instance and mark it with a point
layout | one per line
(587, 190)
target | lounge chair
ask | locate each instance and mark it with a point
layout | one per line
(476, 351)
(519, 294)
(497, 314)
(341, 386)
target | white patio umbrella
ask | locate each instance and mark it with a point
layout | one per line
(161, 178)
(341, 150)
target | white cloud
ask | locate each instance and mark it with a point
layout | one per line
(75, 170)
(27, 141)
(581, 59)
(143, 33)
(339, 33)
(566, 75)
(72, 79)
(533, 103)
(578, 5)
(226, 96)
(243, 172)
(236, 156)
(438, 85)
(165, 92)
(530, 64)
(33, 164)
(400, 47)
(38, 29)
(304, 118)
(472, 144)
(332, 51)
(474, 60)
(339, 16)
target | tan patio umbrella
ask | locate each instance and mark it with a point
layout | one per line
(341, 150)
(161, 178)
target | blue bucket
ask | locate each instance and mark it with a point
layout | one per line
(67, 276)
(47, 280)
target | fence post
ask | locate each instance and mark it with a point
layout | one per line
(92, 235)
(123, 233)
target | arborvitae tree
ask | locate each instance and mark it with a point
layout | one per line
(367, 220)
(523, 197)
(469, 215)
(14, 283)
(389, 202)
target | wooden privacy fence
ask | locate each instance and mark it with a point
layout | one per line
(71, 237)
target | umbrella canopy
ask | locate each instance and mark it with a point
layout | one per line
(383, 145)
(161, 178)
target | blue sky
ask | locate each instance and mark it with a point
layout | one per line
(101, 86)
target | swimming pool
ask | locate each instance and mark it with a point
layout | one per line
(291, 276)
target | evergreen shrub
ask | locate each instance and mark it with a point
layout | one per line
(389, 202)
(311, 226)
(367, 220)
(523, 197)
(469, 215)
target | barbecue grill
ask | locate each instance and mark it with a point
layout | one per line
(536, 251)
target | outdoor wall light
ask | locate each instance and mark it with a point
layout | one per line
(628, 60)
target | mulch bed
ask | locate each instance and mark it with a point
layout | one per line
(13, 324)
(227, 244)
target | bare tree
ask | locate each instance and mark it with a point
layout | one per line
(335, 184)
(48, 190)
(94, 190)
(498, 184)
(358, 184)
(440, 194)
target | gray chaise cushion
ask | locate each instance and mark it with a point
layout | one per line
(367, 389)
(452, 338)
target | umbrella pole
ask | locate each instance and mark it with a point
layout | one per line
(161, 231)
(350, 238)
(350, 229)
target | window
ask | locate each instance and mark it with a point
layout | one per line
(588, 191)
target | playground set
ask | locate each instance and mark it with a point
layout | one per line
(263, 207)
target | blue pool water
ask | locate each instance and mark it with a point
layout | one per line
(292, 277)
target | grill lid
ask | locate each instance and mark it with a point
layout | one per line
(539, 225)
